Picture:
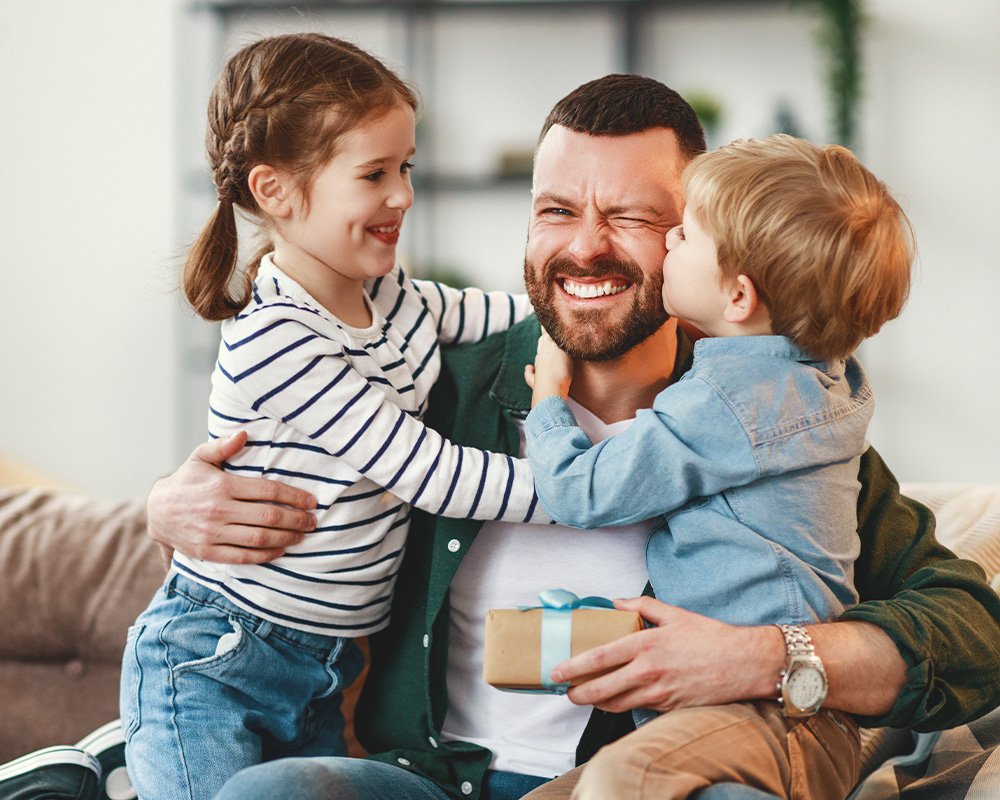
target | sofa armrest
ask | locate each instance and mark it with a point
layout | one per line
(74, 574)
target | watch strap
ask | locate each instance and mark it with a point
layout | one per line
(797, 640)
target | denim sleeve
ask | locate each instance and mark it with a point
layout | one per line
(691, 446)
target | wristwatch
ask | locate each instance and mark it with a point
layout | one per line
(802, 684)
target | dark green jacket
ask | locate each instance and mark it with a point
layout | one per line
(931, 604)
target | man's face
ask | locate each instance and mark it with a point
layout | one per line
(601, 207)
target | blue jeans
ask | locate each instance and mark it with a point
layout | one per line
(359, 779)
(356, 779)
(209, 689)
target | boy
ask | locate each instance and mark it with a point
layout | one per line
(788, 257)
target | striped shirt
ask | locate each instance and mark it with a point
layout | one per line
(336, 410)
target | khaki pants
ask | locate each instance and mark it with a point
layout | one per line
(682, 752)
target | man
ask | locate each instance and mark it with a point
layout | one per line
(605, 191)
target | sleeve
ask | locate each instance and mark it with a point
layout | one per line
(689, 445)
(470, 315)
(289, 372)
(938, 609)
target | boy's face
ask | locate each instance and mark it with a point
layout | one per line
(692, 282)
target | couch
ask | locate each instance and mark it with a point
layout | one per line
(75, 572)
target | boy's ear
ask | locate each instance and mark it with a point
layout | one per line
(267, 186)
(743, 302)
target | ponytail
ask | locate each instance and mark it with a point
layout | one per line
(208, 271)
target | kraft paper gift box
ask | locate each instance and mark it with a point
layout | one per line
(523, 645)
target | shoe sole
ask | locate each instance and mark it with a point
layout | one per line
(48, 757)
(104, 738)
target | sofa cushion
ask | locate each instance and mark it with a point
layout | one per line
(968, 519)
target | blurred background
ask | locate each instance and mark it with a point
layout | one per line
(105, 185)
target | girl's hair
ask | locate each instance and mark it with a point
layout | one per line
(829, 250)
(284, 101)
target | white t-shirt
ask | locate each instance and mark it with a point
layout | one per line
(507, 565)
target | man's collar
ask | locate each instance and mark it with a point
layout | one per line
(510, 390)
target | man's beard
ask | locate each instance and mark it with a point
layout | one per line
(590, 335)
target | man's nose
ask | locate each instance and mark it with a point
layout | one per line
(590, 242)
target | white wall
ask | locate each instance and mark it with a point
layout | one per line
(93, 222)
(86, 317)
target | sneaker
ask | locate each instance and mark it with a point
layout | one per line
(53, 773)
(107, 745)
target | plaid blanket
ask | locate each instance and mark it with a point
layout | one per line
(963, 762)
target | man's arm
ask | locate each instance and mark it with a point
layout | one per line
(206, 513)
(692, 660)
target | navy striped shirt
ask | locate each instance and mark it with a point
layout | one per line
(336, 410)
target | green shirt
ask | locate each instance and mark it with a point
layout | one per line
(943, 617)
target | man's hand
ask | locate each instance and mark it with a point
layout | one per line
(206, 513)
(687, 660)
(552, 372)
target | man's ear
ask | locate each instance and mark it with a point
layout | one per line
(743, 302)
(267, 186)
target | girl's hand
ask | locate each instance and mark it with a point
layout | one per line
(552, 372)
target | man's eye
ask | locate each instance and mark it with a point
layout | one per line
(374, 176)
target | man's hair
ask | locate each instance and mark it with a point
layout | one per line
(829, 250)
(621, 105)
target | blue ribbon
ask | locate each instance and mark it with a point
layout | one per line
(557, 630)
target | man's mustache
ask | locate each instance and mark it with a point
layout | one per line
(602, 268)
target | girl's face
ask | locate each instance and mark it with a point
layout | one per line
(692, 282)
(348, 229)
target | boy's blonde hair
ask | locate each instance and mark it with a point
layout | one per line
(829, 250)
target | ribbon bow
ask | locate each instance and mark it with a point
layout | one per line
(557, 630)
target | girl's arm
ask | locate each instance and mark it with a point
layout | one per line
(470, 315)
(288, 372)
(653, 467)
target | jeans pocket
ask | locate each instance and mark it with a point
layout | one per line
(131, 683)
(227, 647)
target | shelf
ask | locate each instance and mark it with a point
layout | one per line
(425, 6)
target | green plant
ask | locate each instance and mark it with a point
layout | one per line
(840, 37)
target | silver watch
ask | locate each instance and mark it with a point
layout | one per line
(802, 684)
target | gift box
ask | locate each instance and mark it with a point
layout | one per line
(524, 644)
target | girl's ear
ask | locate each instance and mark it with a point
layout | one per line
(743, 302)
(267, 187)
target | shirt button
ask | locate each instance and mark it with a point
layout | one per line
(466, 787)
(454, 545)
(433, 741)
(403, 761)
(427, 640)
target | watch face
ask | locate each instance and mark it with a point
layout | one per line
(806, 687)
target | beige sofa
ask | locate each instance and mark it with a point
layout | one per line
(75, 572)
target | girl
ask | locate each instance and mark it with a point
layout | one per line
(328, 353)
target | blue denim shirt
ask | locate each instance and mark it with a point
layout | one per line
(752, 459)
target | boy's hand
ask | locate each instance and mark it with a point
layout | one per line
(552, 372)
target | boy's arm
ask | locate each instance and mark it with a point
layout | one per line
(689, 445)
(470, 315)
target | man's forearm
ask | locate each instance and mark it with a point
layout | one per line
(865, 670)
(688, 659)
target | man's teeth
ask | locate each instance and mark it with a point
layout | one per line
(588, 290)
